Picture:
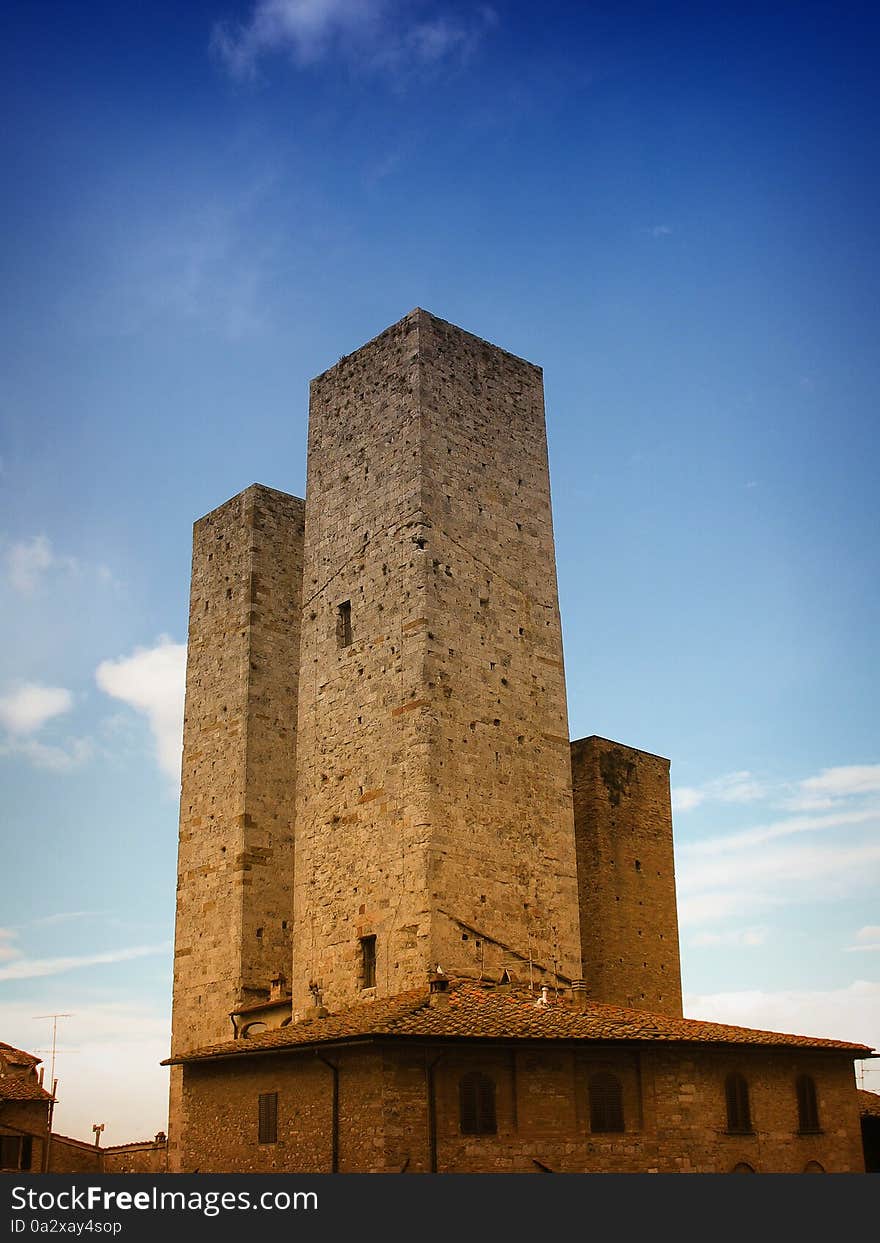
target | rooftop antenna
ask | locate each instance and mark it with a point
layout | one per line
(54, 1018)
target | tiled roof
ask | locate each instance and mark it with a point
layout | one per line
(869, 1103)
(17, 1057)
(22, 1088)
(476, 1012)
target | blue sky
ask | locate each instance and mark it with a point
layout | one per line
(671, 208)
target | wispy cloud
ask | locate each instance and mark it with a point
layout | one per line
(32, 968)
(749, 938)
(833, 784)
(849, 1013)
(62, 757)
(867, 938)
(152, 681)
(379, 35)
(739, 787)
(27, 709)
(29, 563)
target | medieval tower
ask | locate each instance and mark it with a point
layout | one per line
(377, 773)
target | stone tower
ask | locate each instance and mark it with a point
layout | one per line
(235, 862)
(434, 820)
(626, 876)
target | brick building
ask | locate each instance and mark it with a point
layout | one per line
(25, 1111)
(417, 927)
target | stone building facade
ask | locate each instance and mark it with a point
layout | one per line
(379, 792)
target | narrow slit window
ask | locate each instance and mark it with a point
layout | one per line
(368, 962)
(343, 624)
(268, 1117)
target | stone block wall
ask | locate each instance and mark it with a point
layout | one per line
(235, 863)
(674, 1111)
(626, 876)
(433, 784)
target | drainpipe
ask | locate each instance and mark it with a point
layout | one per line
(432, 1112)
(334, 1124)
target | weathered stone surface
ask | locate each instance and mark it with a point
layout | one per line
(626, 876)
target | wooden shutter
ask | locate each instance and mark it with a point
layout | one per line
(268, 1117)
(606, 1102)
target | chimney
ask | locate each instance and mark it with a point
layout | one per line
(438, 991)
(276, 987)
(544, 1000)
(580, 994)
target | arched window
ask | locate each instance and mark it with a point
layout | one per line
(739, 1116)
(606, 1102)
(808, 1106)
(814, 1167)
(252, 1029)
(476, 1095)
(743, 1167)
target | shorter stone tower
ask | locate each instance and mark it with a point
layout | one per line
(235, 859)
(626, 876)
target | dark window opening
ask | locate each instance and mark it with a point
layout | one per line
(476, 1096)
(368, 962)
(15, 1152)
(606, 1103)
(343, 624)
(808, 1106)
(268, 1117)
(738, 1113)
(743, 1167)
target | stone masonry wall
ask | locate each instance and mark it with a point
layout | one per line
(502, 859)
(235, 863)
(433, 787)
(673, 1102)
(626, 876)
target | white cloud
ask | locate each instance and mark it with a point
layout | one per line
(28, 561)
(749, 938)
(8, 948)
(27, 709)
(380, 34)
(152, 681)
(33, 968)
(844, 781)
(851, 1013)
(739, 787)
(867, 938)
(747, 838)
(61, 758)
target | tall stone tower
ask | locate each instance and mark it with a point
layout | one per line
(434, 820)
(626, 876)
(235, 861)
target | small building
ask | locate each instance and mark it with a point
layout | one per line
(466, 1077)
(25, 1113)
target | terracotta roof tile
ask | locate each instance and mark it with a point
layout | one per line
(17, 1057)
(22, 1088)
(480, 1013)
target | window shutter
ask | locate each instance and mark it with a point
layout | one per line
(808, 1108)
(606, 1103)
(738, 1113)
(477, 1104)
(268, 1117)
